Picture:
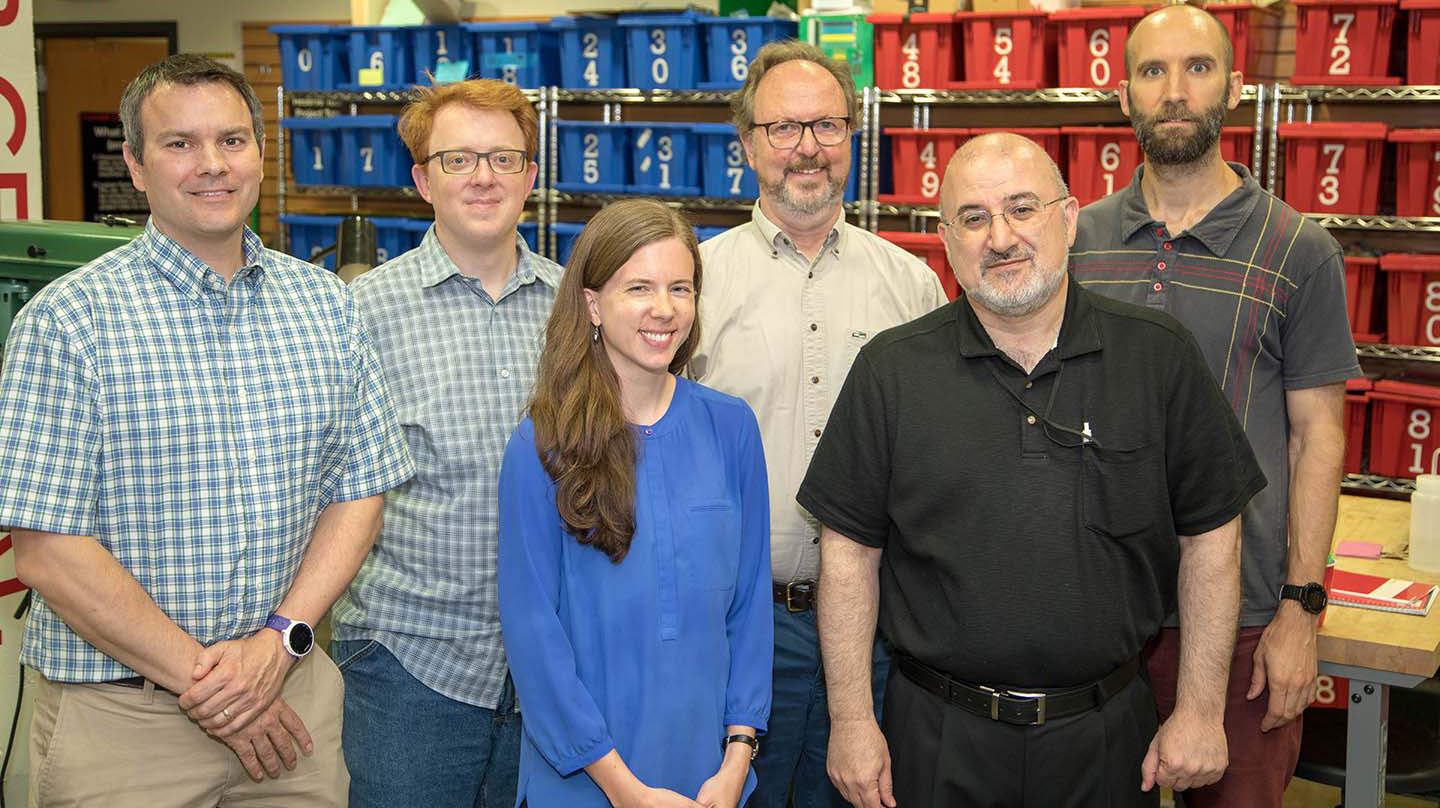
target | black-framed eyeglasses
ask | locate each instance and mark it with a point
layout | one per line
(460, 161)
(828, 131)
(1022, 215)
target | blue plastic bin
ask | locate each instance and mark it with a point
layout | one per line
(565, 235)
(594, 157)
(526, 54)
(730, 44)
(530, 231)
(379, 46)
(664, 159)
(397, 235)
(724, 173)
(312, 57)
(314, 149)
(434, 45)
(852, 188)
(371, 152)
(663, 51)
(592, 52)
(705, 233)
(309, 234)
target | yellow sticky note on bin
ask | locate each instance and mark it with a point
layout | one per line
(371, 76)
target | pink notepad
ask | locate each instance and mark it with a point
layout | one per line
(1359, 549)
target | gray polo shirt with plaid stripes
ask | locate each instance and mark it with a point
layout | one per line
(1263, 290)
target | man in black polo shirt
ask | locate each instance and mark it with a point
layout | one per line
(1015, 482)
(1263, 290)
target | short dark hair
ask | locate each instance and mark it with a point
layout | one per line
(1227, 48)
(186, 69)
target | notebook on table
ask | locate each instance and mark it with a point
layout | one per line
(1380, 593)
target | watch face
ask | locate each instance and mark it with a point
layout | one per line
(301, 638)
(1315, 598)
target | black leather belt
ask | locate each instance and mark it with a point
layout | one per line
(137, 682)
(1024, 708)
(798, 596)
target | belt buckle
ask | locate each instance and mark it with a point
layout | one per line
(789, 598)
(1039, 704)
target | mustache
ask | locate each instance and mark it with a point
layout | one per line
(807, 163)
(1175, 111)
(1016, 253)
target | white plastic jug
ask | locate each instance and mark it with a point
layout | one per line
(1425, 524)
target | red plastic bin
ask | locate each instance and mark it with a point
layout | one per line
(1412, 310)
(1333, 167)
(1360, 291)
(1357, 414)
(1047, 137)
(1092, 44)
(1237, 144)
(921, 156)
(1417, 171)
(1102, 159)
(1404, 429)
(930, 248)
(1422, 41)
(1238, 19)
(1343, 42)
(913, 52)
(1005, 51)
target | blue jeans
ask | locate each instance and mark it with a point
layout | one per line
(405, 744)
(791, 763)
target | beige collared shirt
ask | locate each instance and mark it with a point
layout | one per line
(781, 331)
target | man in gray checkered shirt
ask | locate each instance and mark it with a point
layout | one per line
(430, 714)
(194, 440)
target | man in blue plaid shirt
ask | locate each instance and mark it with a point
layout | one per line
(430, 714)
(194, 441)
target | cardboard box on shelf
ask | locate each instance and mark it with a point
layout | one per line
(1000, 5)
(922, 6)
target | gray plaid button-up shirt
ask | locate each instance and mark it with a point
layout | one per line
(461, 367)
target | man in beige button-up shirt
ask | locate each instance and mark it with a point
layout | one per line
(789, 298)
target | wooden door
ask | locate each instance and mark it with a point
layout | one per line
(83, 74)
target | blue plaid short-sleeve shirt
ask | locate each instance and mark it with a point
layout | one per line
(194, 428)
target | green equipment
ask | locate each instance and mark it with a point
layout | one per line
(34, 253)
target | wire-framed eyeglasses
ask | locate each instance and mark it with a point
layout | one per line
(460, 161)
(829, 131)
(1022, 215)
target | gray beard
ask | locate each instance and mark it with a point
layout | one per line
(779, 193)
(1028, 300)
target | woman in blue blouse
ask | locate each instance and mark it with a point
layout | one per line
(634, 541)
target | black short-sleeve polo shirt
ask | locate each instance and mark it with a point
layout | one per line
(1029, 521)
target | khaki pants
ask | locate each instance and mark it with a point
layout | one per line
(117, 746)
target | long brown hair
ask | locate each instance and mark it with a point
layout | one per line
(581, 433)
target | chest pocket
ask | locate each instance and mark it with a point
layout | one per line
(711, 540)
(1122, 494)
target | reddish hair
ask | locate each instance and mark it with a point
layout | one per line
(418, 119)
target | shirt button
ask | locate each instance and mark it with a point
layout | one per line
(1168, 245)
(815, 540)
(1160, 265)
(814, 379)
(814, 326)
(1029, 385)
(1159, 231)
(810, 274)
(504, 373)
(1030, 419)
(817, 433)
(1158, 286)
(649, 431)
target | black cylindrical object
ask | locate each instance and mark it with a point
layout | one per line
(355, 241)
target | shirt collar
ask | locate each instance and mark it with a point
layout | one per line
(776, 239)
(1079, 332)
(1219, 227)
(191, 275)
(436, 266)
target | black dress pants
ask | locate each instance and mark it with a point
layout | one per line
(945, 757)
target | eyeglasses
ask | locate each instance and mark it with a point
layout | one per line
(1023, 215)
(830, 131)
(459, 161)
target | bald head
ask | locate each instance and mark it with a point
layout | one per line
(985, 149)
(1201, 25)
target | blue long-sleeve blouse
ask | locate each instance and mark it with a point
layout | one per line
(656, 655)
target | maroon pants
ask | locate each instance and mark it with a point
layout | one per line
(1261, 763)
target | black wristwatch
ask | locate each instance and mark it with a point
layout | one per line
(1312, 596)
(750, 740)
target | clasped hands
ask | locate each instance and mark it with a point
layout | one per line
(236, 698)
